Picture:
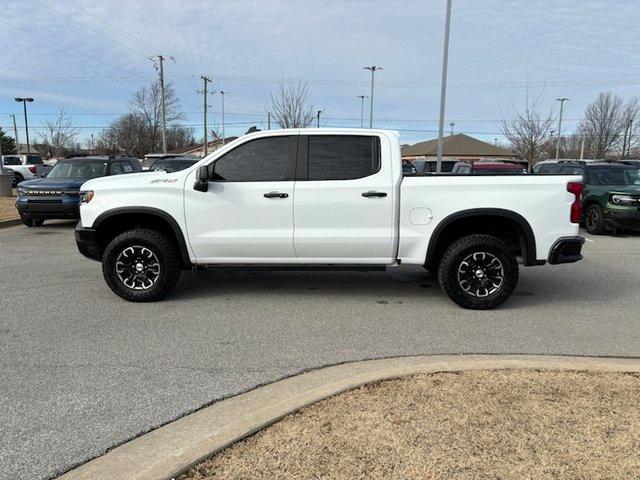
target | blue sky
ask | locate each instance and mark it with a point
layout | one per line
(89, 57)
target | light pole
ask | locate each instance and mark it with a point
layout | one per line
(26, 123)
(222, 94)
(318, 119)
(452, 124)
(561, 100)
(362, 97)
(372, 69)
(443, 86)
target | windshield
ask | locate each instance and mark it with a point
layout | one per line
(79, 169)
(12, 161)
(614, 176)
(172, 165)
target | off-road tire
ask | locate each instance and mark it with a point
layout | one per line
(164, 250)
(594, 220)
(460, 250)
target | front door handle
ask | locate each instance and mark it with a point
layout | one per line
(276, 195)
(372, 193)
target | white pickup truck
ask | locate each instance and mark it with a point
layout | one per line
(326, 198)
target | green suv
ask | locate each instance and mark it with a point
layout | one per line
(611, 198)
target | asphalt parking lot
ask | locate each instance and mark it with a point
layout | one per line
(81, 370)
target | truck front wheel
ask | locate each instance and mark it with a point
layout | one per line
(141, 265)
(478, 272)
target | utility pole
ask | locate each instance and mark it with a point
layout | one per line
(268, 120)
(451, 124)
(561, 100)
(443, 86)
(582, 147)
(26, 122)
(206, 143)
(15, 132)
(362, 97)
(222, 94)
(372, 69)
(160, 67)
(318, 119)
(92, 148)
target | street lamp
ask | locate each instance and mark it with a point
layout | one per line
(26, 123)
(561, 100)
(222, 94)
(443, 87)
(372, 69)
(362, 97)
(318, 124)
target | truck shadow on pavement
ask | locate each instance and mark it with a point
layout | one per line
(405, 285)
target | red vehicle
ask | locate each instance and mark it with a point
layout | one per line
(488, 168)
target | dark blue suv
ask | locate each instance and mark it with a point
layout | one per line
(56, 195)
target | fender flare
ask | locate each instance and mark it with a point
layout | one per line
(177, 231)
(529, 239)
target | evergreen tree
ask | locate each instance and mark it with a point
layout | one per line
(8, 143)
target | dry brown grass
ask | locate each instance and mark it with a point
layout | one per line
(8, 208)
(474, 425)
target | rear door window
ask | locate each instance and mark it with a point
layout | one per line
(11, 161)
(343, 157)
(34, 160)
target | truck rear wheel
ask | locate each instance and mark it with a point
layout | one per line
(141, 265)
(478, 272)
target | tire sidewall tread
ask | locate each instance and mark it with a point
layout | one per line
(448, 268)
(167, 255)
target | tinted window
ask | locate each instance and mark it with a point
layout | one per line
(613, 176)
(261, 160)
(343, 157)
(118, 168)
(572, 171)
(34, 160)
(11, 161)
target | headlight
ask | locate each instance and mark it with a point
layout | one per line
(23, 191)
(85, 197)
(619, 199)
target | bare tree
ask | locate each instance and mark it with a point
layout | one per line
(146, 103)
(59, 132)
(528, 131)
(631, 126)
(604, 122)
(289, 108)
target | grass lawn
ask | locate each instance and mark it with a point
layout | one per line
(8, 209)
(472, 425)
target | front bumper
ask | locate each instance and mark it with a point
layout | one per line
(566, 250)
(86, 241)
(48, 209)
(614, 218)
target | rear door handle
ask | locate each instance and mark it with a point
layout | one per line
(276, 195)
(372, 193)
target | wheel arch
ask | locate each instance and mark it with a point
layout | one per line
(499, 222)
(111, 223)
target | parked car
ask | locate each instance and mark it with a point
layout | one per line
(151, 158)
(173, 164)
(488, 168)
(23, 166)
(352, 207)
(57, 195)
(429, 166)
(611, 198)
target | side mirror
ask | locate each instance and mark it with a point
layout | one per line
(202, 179)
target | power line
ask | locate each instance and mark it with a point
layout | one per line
(45, 39)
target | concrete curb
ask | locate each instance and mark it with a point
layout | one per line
(10, 223)
(172, 448)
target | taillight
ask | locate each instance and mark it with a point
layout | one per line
(576, 207)
(33, 169)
